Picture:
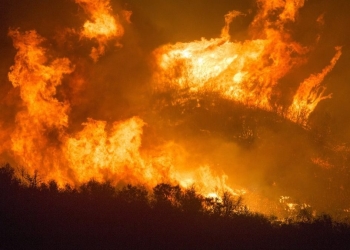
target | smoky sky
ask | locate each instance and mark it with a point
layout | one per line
(275, 160)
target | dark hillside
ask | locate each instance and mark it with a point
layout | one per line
(99, 216)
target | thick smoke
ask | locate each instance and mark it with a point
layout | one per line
(258, 150)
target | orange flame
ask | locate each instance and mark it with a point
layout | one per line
(95, 154)
(40, 125)
(242, 71)
(247, 71)
(40, 140)
(103, 25)
(310, 93)
(116, 155)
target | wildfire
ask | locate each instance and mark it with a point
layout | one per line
(103, 25)
(40, 140)
(310, 93)
(243, 71)
(40, 125)
(247, 71)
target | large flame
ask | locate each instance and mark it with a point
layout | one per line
(243, 71)
(40, 140)
(103, 26)
(247, 71)
(310, 93)
(40, 125)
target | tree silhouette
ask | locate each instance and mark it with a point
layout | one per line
(96, 189)
(167, 196)
(133, 194)
(226, 206)
(7, 176)
(191, 202)
(98, 216)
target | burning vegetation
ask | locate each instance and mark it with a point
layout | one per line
(249, 71)
(93, 101)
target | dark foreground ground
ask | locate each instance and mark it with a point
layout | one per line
(99, 216)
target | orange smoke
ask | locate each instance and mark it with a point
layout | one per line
(103, 26)
(247, 71)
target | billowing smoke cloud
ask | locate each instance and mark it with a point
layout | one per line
(184, 136)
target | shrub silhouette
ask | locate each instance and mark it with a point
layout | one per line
(99, 216)
(97, 190)
(133, 194)
(166, 196)
(191, 202)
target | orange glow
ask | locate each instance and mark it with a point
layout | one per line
(310, 93)
(41, 123)
(115, 155)
(103, 25)
(246, 71)
(4, 137)
(40, 140)
(323, 163)
(94, 153)
(243, 71)
(45, 136)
